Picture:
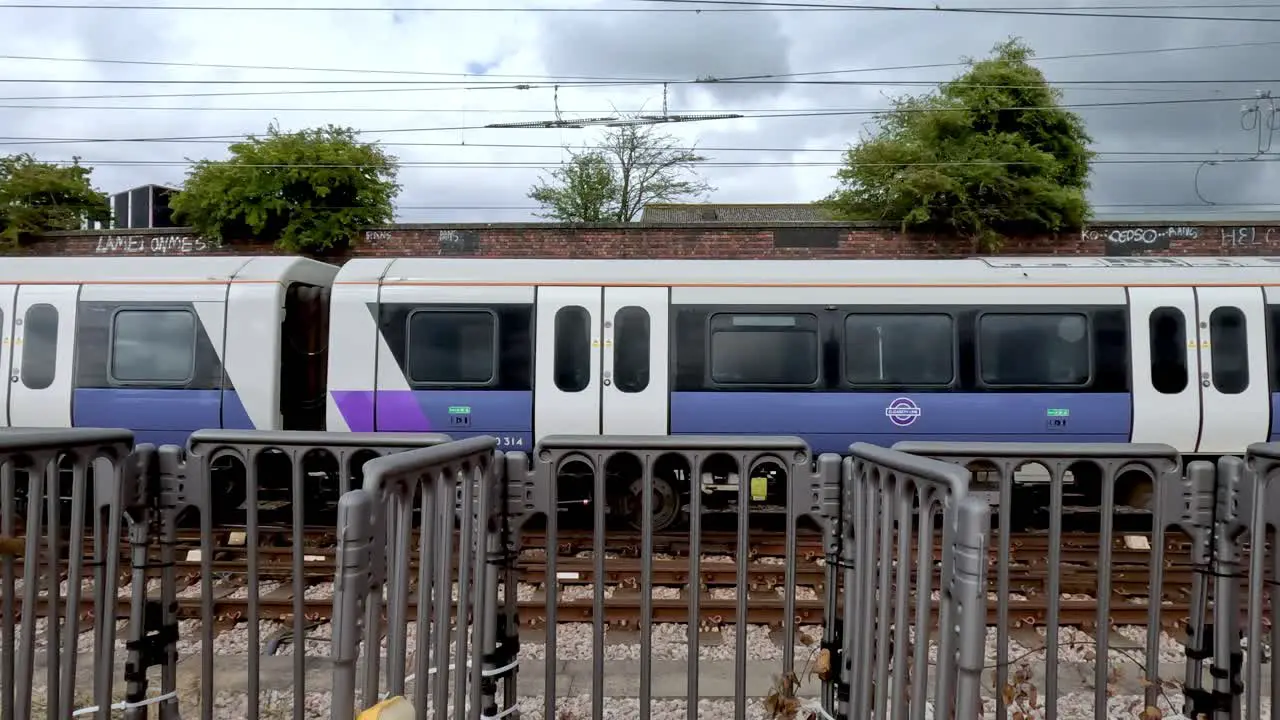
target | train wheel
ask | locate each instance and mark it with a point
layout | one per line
(667, 507)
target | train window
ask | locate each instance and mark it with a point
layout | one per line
(39, 346)
(631, 349)
(1034, 349)
(899, 349)
(1168, 350)
(456, 347)
(572, 363)
(764, 349)
(153, 346)
(1229, 350)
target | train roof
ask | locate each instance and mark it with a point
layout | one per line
(1083, 271)
(169, 270)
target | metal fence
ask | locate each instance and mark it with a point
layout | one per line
(374, 549)
(905, 542)
(1078, 484)
(39, 471)
(279, 476)
(892, 503)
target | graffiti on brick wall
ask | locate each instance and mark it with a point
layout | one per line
(1132, 240)
(459, 242)
(377, 235)
(154, 245)
(1246, 236)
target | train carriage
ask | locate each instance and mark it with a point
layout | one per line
(1176, 351)
(163, 346)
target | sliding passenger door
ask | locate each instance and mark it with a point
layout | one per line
(1165, 366)
(635, 396)
(567, 362)
(7, 293)
(1234, 381)
(42, 356)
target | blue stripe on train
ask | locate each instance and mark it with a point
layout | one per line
(159, 416)
(830, 422)
(1275, 418)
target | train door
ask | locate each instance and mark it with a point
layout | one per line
(44, 320)
(7, 293)
(635, 399)
(567, 362)
(1234, 387)
(1166, 366)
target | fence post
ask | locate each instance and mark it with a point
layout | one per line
(350, 589)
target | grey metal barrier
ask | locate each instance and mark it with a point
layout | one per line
(1119, 498)
(1259, 501)
(375, 545)
(892, 502)
(92, 468)
(268, 493)
(679, 482)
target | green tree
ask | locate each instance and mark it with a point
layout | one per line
(583, 190)
(990, 155)
(37, 197)
(633, 165)
(308, 191)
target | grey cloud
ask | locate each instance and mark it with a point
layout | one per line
(670, 46)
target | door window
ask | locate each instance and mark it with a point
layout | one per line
(39, 346)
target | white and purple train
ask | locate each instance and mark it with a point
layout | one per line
(1181, 351)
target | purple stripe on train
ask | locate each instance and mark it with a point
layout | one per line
(163, 416)
(459, 413)
(830, 422)
(1275, 418)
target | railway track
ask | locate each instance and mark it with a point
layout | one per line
(765, 577)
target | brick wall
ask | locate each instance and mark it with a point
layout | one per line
(704, 240)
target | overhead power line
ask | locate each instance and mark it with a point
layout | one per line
(544, 165)
(732, 148)
(553, 78)
(454, 84)
(759, 116)
(710, 6)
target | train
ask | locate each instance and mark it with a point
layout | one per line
(1183, 351)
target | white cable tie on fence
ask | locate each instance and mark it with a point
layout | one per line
(500, 715)
(128, 705)
(454, 666)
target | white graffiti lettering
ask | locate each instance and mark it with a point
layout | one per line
(153, 245)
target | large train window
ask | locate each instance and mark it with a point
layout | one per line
(1033, 349)
(631, 349)
(39, 346)
(572, 363)
(764, 349)
(899, 349)
(1168, 329)
(452, 347)
(153, 347)
(1228, 349)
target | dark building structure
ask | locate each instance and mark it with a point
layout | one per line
(142, 207)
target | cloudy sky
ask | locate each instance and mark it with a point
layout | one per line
(425, 76)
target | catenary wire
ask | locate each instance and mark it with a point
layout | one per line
(730, 148)
(707, 6)
(533, 164)
(553, 78)
(13, 140)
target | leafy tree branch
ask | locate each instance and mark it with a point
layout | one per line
(313, 190)
(38, 197)
(991, 154)
(632, 166)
